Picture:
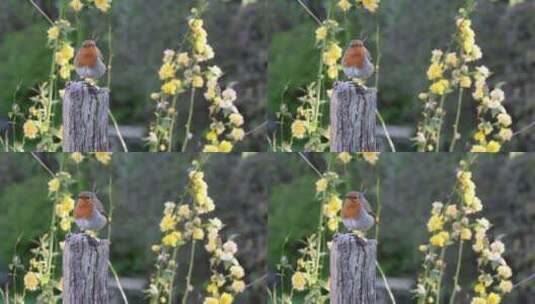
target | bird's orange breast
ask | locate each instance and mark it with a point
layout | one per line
(83, 209)
(86, 57)
(354, 57)
(351, 209)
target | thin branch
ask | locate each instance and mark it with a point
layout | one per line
(42, 13)
(259, 127)
(116, 126)
(118, 282)
(389, 291)
(388, 138)
(531, 125)
(260, 279)
(310, 12)
(43, 164)
(309, 163)
(531, 277)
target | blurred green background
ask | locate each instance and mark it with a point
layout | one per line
(409, 184)
(141, 32)
(141, 184)
(409, 31)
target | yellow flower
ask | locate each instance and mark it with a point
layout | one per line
(478, 300)
(465, 81)
(30, 129)
(102, 5)
(480, 288)
(197, 81)
(493, 146)
(371, 5)
(435, 71)
(332, 72)
(53, 185)
(333, 206)
(504, 119)
(506, 286)
(452, 59)
(321, 185)
(332, 224)
(505, 271)
(493, 298)
(237, 271)
(167, 71)
(210, 149)
(466, 234)
(76, 5)
(299, 281)
(344, 5)
(197, 234)
(344, 157)
(237, 134)
(236, 119)
(172, 87)
(333, 53)
(210, 300)
(65, 54)
(298, 129)
(321, 33)
(440, 87)
(53, 33)
(238, 286)
(65, 224)
(168, 223)
(226, 298)
(224, 146)
(478, 149)
(440, 239)
(65, 71)
(435, 223)
(77, 157)
(370, 157)
(31, 281)
(505, 134)
(480, 136)
(182, 59)
(172, 239)
(103, 157)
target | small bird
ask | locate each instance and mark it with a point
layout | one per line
(357, 62)
(88, 61)
(89, 212)
(357, 214)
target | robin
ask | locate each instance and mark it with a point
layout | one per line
(357, 63)
(89, 212)
(88, 61)
(357, 214)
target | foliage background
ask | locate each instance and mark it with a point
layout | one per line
(142, 183)
(141, 32)
(410, 30)
(410, 183)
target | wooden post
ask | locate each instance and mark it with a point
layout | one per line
(85, 270)
(353, 118)
(352, 270)
(85, 118)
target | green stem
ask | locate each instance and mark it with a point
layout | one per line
(172, 126)
(379, 207)
(442, 253)
(387, 135)
(441, 121)
(457, 272)
(457, 119)
(188, 123)
(190, 271)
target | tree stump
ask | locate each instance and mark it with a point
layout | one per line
(85, 270)
(85, 118)
(352, 271)
(353, 118)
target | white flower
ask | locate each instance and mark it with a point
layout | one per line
(229, 94)
(230, 247)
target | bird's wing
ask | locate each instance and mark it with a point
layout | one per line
(99, 206)
(367, 206)
(99, 54)
(369, 56)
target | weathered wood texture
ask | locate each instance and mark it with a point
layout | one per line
(85, 270)
(352, 271)
(85, 118)
(353, 118)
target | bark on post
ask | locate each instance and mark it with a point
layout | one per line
(85, 118)
(353, 118)
(85, 270)
(352, 271)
